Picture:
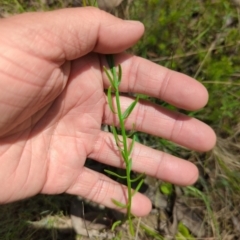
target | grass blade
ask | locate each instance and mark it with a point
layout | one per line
(131, 228)
(115, 224)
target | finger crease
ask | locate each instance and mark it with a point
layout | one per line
(177, 127)
(165, 83)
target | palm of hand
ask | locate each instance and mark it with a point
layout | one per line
(51, 152)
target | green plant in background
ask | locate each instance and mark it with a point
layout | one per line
(203, 42)
(90, 3)
(193, 191)
(152, 233)
(125, 148)
(183, 233)
(166, 188)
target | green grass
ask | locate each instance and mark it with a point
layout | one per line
(200, 39)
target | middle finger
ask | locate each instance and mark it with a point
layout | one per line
(156, 120)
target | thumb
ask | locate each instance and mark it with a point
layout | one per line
(68, 34)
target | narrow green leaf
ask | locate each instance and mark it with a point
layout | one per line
(119, 74)
(131, 146)
(142, 175)
(111, 64)
(151, 232)
(183, 230)
(109, 78)
(131, 228)
(115, 134)
(115, 224)
(138, 187)
(117, 141)
(119, 204)
(109, 94)
(129, 165)
(95, 4)
(132, 132)
(115, 78)
(115, 174)
(130, 109)
(124, 155)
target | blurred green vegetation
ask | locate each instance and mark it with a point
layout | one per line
(200, 39)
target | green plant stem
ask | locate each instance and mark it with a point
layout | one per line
(125, 149)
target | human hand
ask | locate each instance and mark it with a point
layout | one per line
(52, 105)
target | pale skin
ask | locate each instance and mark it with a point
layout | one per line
(52, 106)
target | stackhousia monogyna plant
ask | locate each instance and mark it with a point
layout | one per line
(114, 75)
(125, 148)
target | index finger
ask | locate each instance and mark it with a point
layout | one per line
(142, 76)
(85, 30)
